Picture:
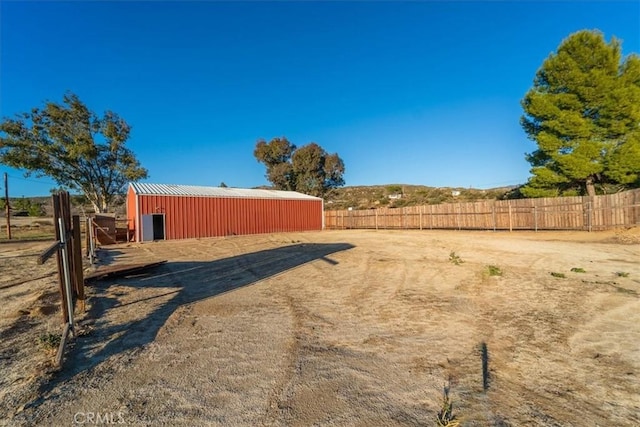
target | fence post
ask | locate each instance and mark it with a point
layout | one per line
(92, 241)
(376, 220)
(510, 219)
(420, 219)
(493, 214)
(535, 217)
(87, 239)
(590, 214)
(77, 260)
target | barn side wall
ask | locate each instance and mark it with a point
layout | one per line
(131, 212)
(193, 217)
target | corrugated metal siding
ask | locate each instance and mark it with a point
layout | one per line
(192, 217)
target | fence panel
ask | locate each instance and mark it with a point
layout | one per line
(561, 213)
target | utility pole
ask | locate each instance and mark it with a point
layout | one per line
(6, 202)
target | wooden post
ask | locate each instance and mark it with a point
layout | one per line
(590, 214)
(87, 242)
(420, 219)
(77, 261)
(510, 219)
(6, 204)
(535, 217)
(63, 343)
(376, 218)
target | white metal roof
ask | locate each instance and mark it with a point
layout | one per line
(197, 191)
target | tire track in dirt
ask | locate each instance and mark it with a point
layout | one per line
(278, 406)
(279, 403)
(306, 348)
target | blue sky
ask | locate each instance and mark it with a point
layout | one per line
(415, 92)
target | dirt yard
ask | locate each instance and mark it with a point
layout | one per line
(337, 328)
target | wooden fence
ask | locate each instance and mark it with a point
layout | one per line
(67, 248)
(558, 213)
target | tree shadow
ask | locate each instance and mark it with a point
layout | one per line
(181, 283)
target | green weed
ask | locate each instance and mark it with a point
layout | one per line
(558, 275)
(455, 259)
(49, 341)
(578, 270)
(494, 270)
(445, 416)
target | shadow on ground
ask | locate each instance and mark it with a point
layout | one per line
(184, 283)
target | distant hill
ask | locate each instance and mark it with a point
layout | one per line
(356, 197)
(399, 195)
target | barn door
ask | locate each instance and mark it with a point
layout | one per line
(152, 227)
(147, 228)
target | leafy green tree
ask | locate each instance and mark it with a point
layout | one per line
(76, 148)
(27, 206)
(22, 204)
(583, 111)
(276, 156)
(308, 169)
(36, 209)
(316, 171)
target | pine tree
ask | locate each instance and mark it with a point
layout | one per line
(583, 111)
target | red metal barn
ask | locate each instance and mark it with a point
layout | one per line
(158, 211)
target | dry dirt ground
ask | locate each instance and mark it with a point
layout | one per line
(337, 328)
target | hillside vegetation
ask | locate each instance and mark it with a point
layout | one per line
(398, 195)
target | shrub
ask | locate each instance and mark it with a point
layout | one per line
(445, 417)
(494, 270)
(455, 259)
(35, 209)
(49, 341)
